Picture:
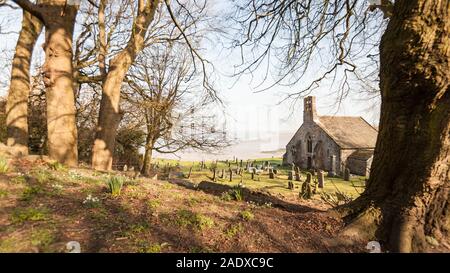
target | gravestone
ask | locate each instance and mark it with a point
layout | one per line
(275, 171)
(231, 175)
(297, 174)
(125, 168)
(320, 178)
(347, 174)
(271, 174)
(214, 175)
(306, 191)
(290, 185)
(290, 174)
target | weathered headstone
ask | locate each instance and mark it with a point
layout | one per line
(214, 175)
(290, 174)
(125, 168)
(347, 174)
(320, 178)
(271, 174)
(231, 175)
(306, 191)
(290, 185)
(297, 174)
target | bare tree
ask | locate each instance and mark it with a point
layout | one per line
(164, 88)
(406, 197)
(107, 47)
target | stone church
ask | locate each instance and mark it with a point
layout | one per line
(331, 143)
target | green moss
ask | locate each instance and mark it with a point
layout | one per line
(153, 204)
(42, 238)
(187, 218)
(152, 248)
(21, 215)
(29, 193)
(3, 193)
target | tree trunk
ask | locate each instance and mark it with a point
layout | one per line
(109, 116)
(407, 194)
(58, 78)
(17, 103)
(147, 165)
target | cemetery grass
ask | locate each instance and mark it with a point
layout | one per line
(44, 207)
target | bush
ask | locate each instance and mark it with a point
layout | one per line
(115, 184)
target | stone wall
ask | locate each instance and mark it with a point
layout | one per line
(359, 166)
(323, 147)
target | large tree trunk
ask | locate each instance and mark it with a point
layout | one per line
(58, 78)
(109, 116)
(407, 195)
(17, 103)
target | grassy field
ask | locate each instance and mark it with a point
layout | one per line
(45, 205)
(279, 185)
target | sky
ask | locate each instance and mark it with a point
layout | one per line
(256, 120)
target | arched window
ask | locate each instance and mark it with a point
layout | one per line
(309, 144)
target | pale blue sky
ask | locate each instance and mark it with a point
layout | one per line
(250, 115)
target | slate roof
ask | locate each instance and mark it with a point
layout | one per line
(349, 132)
(362, 155)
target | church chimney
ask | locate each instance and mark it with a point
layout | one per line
(309, 109)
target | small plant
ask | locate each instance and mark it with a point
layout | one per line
(3, 165)
(3, 193)
(115, 185)
(19, 179)
(57, 166)
(29, 193)
(91, 201)
(42, 238)
(187, 218)
(233, 230)
(247, 215)
(236, 193)
(43, 176)
(29, 214)
(154, 248)
(335, 199)
(153, 204)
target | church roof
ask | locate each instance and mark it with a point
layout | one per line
(349, 132)
(361, 155)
